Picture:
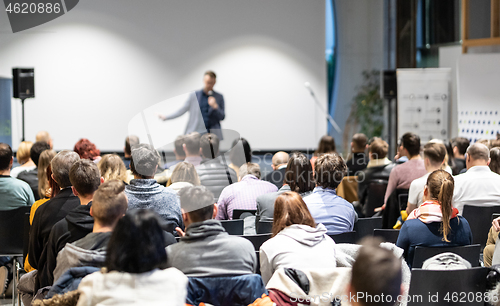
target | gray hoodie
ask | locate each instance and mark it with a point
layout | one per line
(297, 246)
(72, 256)
(207, 250)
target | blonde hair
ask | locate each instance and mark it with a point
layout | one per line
(185, 172)
(23, 152)
(112, 167)
(43, 163)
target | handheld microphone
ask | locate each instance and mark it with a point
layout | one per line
(210, 93)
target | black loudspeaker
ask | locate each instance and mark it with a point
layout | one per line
(389, 84)
(23, 80)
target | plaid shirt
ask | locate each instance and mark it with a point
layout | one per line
(242, 195)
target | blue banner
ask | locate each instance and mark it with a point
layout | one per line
(5, 111)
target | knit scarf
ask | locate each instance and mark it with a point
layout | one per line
(430, 211)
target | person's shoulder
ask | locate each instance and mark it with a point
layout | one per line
(238, 243)
(19, 184)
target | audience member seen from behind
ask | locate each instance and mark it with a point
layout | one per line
(402, 175)
(206, 250)
(44, 136)
(108, 206)
(243, 194)
(87, 150)
(377, 272)
(326, 207)
(326, 146)
(358, 160)
(298, 242)
(379, 168)
(459, 145)
(495, 160)
(435, 223)
(130, 141)
(298, 178)
(478, 186)
(191, 147)
(14, 193)
(184, 175)
(145, 192)
(434, 157)
(240, 154)
(31, 176)
(214, 173)
(112, 167)
(178, 152)
(279, 162)
(23, 158)
(135, 258)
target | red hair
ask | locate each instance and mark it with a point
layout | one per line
(86, 149)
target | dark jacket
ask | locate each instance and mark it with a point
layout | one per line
(45, 217)
(216, 176)
(230, 290)
(31, 177)
(265, 205)
(70, 280)
(276, 177)
(369, 174)
(358, 162)
(77, 224)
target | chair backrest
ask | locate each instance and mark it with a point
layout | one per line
(478, 217)
(403, 200)
(365, 226)
(376, 194)
(448, 287)
(233, 227)
(257, 240)
(12, 230)
(467, 252)
(387, 235)
(237, 213)
(346, 237)
(26, 235)
(348, 188)
(494, 216)
(265, 227)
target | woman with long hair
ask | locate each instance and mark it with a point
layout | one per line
(87, 150)
(240, 154)
(326, 145)
(184, 175)
(495, 160)
(298, 242)
(112, 167)
(436, 222)
(135, 262)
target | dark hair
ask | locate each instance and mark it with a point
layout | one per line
(179, 141)
(109, 202)
(495, 160)
(376, 272)
(449, 151)
(440, 185)
(495, 143)
(359, 140)
(136, 244)
(211, 74)
(198, 202)
(329, 170)
(209, 144)
(435, 152)
(85, 176)
(192, 142)
(86, 149)
(411, 142)
(289, 208)
(5, 156)
(378, 148)
(130, 141)
(461, 143)
(240, 153)
(37, 149)
(299, 173)
(326, 145)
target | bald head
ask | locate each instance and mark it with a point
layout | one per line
(44, 136)
(279, 159)
(477, 155)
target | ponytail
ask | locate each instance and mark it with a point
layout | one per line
(441, 185)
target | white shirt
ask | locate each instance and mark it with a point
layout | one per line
(416, 192)
(478, 186)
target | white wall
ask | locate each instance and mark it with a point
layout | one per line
(106, 60)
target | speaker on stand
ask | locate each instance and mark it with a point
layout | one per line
(23, 81)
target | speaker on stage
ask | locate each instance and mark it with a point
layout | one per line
(389, 84)
(23, 80)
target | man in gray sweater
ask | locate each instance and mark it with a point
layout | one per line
(205, 249)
